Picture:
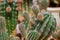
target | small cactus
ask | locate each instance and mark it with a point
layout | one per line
(43, 4)
(35, 9)
(8, 9)
(26, 15)
(3, 31)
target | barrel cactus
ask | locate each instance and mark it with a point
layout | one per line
(3, 31)
(26, 15)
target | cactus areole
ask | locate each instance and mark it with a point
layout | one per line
(8, 9)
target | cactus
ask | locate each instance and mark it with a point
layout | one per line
(46, 27)
(43, 4)
(43, 23)
(35, 9)
(8, 10)
(3, 31)
(26, 15)
(40, 30)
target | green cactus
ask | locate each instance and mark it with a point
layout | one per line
(26, 15)
(33, 35)
(46, 27)
(35, 9)
(39, 30)
(3, 31)
(43, 4)
(43, 29)
(11, 17)
(59, 14)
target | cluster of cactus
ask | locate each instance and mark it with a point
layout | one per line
(3, 30)
(42, 24)
(36, 27)
(42, 28)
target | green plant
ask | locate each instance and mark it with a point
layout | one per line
(3, 31)
(43, 4)
(35, 9)
(43, 28)
(8, 10)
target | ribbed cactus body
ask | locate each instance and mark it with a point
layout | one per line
(48, 29)
(3, 31)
